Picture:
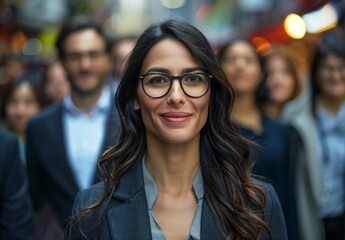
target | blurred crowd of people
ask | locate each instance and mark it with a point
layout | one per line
(64, 117)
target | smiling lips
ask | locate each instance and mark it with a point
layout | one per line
(176, 117)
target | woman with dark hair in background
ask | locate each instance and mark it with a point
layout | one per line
(23, 98)
(180, 170)
(281, 83)
(320, 134)
(55, 84)
(243, 67)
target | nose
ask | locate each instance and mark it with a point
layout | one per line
(338, 74)
(85, 62)
(176, 94)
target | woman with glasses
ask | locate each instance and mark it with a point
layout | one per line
(320, 134)
(180, 169)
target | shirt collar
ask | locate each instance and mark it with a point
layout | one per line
(151, 189)
(102, 105)
(330, 122)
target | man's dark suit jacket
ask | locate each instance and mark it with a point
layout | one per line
(15, 202)
(127, 216)
(51, 178)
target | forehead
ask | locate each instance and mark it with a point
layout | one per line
(84, 40)
(23, 88)
(170, 54)
(241, 48)
(332, 59)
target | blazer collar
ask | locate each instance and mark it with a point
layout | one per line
(129, 219)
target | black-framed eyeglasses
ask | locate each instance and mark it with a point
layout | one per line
(157, 84)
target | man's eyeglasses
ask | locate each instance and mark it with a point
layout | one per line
(157, 84)
(330, 68)
(77, 56)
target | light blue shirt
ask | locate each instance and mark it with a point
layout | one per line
(151, 191)
(332, 173)
(84, 134)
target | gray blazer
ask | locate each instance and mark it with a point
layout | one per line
(127, 216)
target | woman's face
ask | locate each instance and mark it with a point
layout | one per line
(174, 118)
(331, 77)
(21, 106)
(280, 81)
(242, 68)
(57, 86)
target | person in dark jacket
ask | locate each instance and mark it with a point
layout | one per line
(15, 203)
(65, 141)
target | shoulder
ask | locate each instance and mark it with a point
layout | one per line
(48, 118)
(86, 224)
(6, 137)
(8, 142)
(273, 212)
(271, 195)
(48, 113)
(88, 196)
(8, 147)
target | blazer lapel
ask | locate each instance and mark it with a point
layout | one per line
(61, 152)
(130, 218)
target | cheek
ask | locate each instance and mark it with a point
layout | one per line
(290, 85)
(204, 108)
(32, 110)
(10, 111)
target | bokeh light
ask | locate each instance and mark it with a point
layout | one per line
(18, 41)
(32, 47)
(173, 4)
(261, 44)
(321, 19)
(294, 26)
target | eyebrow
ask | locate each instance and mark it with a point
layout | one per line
(165, 70)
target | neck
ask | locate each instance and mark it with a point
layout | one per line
(332, 105)
(246, 113)
(272, 110)
(20, 134)
(173, 166)
(85, 103)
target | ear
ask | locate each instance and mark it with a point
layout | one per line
(136, 104)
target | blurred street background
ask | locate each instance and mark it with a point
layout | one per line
(29, 27)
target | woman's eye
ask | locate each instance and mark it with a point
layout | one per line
(158, 80)
(195, 79)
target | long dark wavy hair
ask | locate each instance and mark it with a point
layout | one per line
(234, 198)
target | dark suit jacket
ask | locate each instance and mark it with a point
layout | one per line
(127, 216)
(51, 178)
(15, 202)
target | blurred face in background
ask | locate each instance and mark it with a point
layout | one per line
(57, 85)
(119, 54)
(21, 106)
(242, 67)
(280, 80)
(86, 61)
(331, 77)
